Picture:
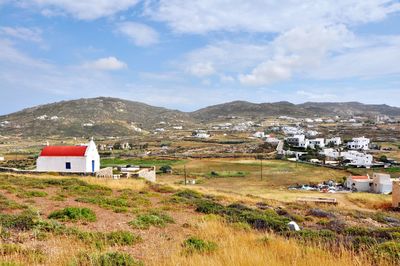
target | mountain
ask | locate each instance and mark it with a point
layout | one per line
(84, 117)
(308, 109)
(106, 116)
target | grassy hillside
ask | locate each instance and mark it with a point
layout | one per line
(51, 220)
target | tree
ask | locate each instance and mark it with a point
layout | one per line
(166, 169)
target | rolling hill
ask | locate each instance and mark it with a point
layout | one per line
(104, 116)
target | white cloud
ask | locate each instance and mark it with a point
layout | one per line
(271, 71)
(23, 33)
(106, 63)
(202, 69)
(139, 34)
(85, 10)
(266, 15)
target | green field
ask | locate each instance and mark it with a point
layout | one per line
(106, 162)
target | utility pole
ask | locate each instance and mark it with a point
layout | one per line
(184, 170)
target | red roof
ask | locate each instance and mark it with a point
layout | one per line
(64, 151)
(360, 177)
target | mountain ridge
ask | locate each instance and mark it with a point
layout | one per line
(108, 116)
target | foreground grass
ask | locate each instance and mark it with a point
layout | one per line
(244, 247)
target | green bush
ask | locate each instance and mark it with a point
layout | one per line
(74, 214)
(313, 235)
(188, 194)
(31, 194)
(144, 221)
(24, 221)
(389, 249)
(209, 207)
(106, 259)
(197, 245)
(363, 242)
(165, 169)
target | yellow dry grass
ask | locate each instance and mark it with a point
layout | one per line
(369, 200)
(245, 248)
(134, 184)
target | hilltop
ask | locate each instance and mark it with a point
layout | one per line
(105, 116)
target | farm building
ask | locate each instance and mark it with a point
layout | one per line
(359, 183)
(69, 159)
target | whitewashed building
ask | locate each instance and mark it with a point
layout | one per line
(358, 159)
(336, 141)
(318, 142)
(69, 159)
(359, 183)
(381, 183)
(358, 144)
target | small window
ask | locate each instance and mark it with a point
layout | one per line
(67, 165)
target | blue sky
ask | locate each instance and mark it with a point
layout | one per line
(189, 54)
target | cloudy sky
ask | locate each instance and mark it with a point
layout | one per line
(188, 54)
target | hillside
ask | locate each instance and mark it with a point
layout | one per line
(97, 116)
(309, 109)
(116, 117)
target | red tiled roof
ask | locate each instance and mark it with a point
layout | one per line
(64, 151)
(360, 177)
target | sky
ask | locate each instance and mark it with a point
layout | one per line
(190, 54)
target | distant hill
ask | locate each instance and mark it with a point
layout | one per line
(309, 109)
(84, 117)
(106, 116)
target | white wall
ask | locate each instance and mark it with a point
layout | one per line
(57, 164)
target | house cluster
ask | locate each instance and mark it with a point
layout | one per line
(354, 155)
(379, 183)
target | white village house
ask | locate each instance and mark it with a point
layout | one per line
(69, 159)
(358, 144)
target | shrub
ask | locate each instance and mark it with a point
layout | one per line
(188, 194)
(121, 238)
(313, 235)
(363, 242)
(24, 221)
(165, 169)
(31, 194)
(106, 259)
(144, 221)
(32, 255)
(209, 207)
(74, 214)
(389, 249)
(194, 244)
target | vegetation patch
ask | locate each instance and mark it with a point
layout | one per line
(31, 194)
(144, 221)
(116, 204)
(33, 256)
(197, 245)
(7, 204)
(215, 174)
(106, 259)
(236, 213)
(74, 214)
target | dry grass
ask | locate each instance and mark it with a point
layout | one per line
(134, 184)
(243, 247)
(370, 201)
